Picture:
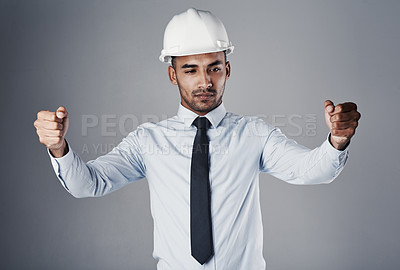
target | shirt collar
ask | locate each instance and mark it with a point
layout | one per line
(215, 116)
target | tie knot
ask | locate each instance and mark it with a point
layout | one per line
(201, 123)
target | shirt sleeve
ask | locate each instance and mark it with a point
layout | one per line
(121, 166)
(297, 164)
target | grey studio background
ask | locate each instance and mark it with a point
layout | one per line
(100, 60)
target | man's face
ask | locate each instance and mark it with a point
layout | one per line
(201, 80)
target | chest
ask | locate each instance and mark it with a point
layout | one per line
(232, 152)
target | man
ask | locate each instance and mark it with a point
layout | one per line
(205, 201)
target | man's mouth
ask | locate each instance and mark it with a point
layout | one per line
(204, 96)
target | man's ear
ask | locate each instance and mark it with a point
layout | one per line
(228, 69)
(172, 75)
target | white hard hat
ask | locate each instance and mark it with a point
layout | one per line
(194, 32)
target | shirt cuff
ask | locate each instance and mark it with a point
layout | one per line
(62, 163)
(340, 155)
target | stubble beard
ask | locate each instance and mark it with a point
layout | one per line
(201, 106)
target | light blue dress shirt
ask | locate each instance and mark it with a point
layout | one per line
(240, 148)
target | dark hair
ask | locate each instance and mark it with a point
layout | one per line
(174, 57)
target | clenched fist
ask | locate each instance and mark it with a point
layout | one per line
(51, 128)
(342, 121)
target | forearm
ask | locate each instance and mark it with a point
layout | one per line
(321, 165)
(74, 175)
(97, 177)
(296, 164)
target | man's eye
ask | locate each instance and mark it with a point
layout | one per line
(216, 69)
(190, 71)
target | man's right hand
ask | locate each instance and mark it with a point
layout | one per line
(51, 128)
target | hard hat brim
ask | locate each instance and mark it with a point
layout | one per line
(166, 57)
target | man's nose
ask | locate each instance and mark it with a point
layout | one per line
(204, 81)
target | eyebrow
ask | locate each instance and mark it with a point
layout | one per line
(189, 66)
(215, 63)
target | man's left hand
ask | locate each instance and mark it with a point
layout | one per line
(342, 121)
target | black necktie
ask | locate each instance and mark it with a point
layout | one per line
(200, 196)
